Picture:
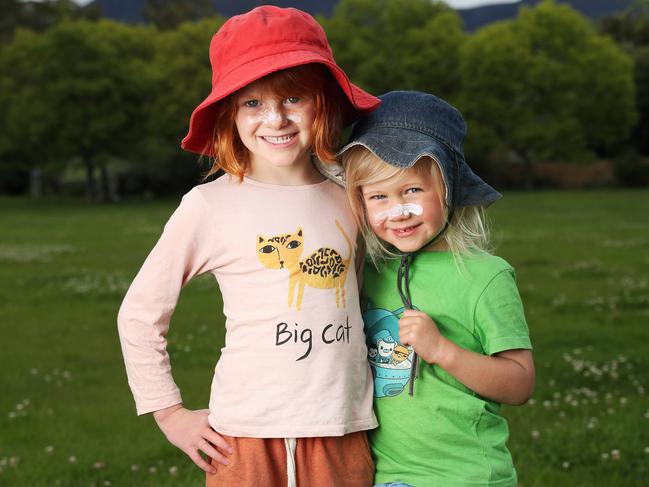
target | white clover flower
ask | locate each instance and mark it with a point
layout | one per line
(106, 483)
(615, 454)
(604, 456)
(623, 400)
(153, 469)
(72, 459)
(49, 449)
(19, 407)
(173, 471)
(13, 461)
(535, 434)
(34, 371)
(565, 465)
(646, 449)
(135, 468)
(98, 465)
(11, 414)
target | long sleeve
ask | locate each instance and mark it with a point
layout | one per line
(183, 251)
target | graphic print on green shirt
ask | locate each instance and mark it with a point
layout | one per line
(390, 360)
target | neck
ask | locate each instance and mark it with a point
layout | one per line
(297, 174)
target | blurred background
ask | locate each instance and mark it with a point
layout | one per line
(94, 100)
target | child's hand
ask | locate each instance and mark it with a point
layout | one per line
(418, 330)
(191, 432)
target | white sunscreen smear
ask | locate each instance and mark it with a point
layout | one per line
(272, 116)
(397, 211)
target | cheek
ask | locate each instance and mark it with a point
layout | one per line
(433, 211)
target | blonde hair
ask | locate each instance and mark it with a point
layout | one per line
(467, 233)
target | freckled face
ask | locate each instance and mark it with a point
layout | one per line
(408, 232)
(277, 132)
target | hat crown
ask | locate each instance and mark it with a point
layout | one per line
(264, 31)
(420, 112)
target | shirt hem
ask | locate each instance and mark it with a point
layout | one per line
(291, 431)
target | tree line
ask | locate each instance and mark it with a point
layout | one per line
(99, 107)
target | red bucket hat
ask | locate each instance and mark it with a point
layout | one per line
(252, 45)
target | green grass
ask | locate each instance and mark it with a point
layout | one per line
(67, 416)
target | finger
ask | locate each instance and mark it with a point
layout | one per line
(404, 337)
(217, 440)
(212, 452)
(202, 464)
(412, 312)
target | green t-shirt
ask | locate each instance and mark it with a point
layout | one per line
(446, 434)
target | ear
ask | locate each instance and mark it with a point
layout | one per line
(260, 239)
(299, 232)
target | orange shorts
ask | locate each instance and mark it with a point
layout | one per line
(331, 461)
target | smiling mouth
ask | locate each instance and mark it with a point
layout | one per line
(279, 140)
(406, 231)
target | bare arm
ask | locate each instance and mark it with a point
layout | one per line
(506, 377)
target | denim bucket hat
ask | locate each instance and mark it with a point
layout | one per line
(409, 125)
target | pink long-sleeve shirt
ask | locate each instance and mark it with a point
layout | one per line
(294, 361)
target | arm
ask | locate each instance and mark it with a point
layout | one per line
(143, 324)
(506, 377)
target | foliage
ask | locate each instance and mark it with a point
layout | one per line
(38, 15)
(168, 14)
(546, 86)
(180, 79)
(631, 31)
(397, 44)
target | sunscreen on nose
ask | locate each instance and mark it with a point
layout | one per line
(268, 115)
(397, 211)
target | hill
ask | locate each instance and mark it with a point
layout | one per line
(131, 10)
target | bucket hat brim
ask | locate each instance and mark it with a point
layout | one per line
(205, 113)
(402, 148)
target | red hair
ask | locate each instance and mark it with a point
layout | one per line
(314, 79)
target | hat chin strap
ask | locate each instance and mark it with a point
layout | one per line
(403, 274)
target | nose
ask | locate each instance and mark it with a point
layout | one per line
(276, 116)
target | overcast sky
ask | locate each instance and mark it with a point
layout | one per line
(452, 3)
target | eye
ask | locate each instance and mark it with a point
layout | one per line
(293, 99)
(293, 244)
(251, 103)
(267, 249)
(377, 197)
(413, 190)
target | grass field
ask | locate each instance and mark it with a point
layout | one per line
(67, 416)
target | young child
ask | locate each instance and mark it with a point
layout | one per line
(421, 209)
(291, 397)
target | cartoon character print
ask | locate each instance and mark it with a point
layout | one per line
(390, 361)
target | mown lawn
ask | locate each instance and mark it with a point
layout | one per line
(67, 417)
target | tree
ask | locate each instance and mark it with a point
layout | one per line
(39, 16)
(180, 80)
(385, 45)
(546, 86)
(168, 14)
(79, 91)
(631, 31)
(25, 115)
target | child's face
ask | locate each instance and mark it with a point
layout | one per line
(277, 132)
(419, 216)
